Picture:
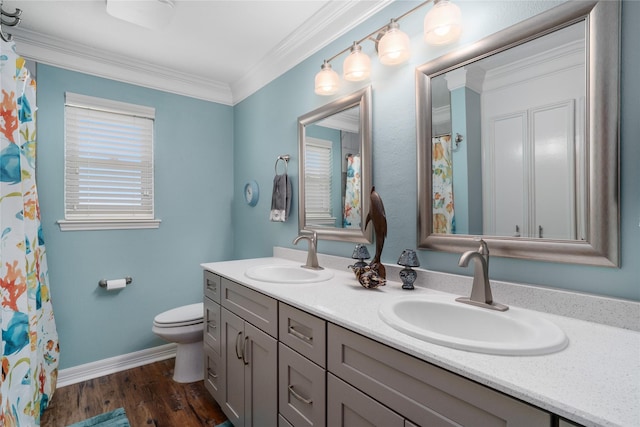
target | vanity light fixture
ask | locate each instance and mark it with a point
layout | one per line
(443, 24)
(357, 66)
(394, 47)
(327, 80)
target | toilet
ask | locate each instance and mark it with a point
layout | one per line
(185, 327)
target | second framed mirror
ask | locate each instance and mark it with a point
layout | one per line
(334, 143)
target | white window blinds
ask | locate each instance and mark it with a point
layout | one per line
(318, 179)
(108, 159)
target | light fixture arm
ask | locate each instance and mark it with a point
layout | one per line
(380, 31)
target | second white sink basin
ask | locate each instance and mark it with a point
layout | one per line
(287, 274)
(441, 320)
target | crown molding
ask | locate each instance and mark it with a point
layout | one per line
(75, 56)
(325, 26)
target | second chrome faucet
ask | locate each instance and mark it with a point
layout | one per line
(481, 288)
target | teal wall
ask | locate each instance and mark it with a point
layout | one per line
(205, 152)
(266, 126)
(193, 165)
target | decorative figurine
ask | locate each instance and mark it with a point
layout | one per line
(368, 277)
(378, 217)
(408, 259)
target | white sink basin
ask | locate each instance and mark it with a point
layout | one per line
(439, 319)
(287, 274)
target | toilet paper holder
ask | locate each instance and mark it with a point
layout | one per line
(103, 283)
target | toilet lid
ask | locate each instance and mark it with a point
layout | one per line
(187, 314)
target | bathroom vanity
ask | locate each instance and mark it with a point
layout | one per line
(318, 354)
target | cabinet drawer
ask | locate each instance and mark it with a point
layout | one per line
(212, 286)
(254, 307)
(301, 389)
(421, 392)
(348, 407)
(212, 324)
(304, 333)
(212, 375)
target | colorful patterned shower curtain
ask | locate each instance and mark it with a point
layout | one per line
(29, 348)
(443, 218)
(352, 218)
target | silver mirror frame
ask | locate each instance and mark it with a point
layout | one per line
(361, 98)
(603, 211)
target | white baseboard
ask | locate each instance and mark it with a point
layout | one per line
(111, 365)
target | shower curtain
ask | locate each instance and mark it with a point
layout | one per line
(351, 217)
(443, 218)
(29, 351)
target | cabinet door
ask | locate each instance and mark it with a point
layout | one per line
(301, 389)
(212, 376)
(212, 324)
(232, 339)
(260, 355)
(348, 407)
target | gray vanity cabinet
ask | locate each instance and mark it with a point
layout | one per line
(301, 368)
(249, 361)
(423, 393)
(212, 334)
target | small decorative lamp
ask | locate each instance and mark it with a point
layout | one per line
(408, 259)
(360, 253)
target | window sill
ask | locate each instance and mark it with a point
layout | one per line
(107, 224)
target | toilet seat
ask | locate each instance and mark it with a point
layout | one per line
(186, 315)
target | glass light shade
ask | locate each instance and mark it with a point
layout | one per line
(394, 47)
(327, 80)
(443, 23)
(357, 66)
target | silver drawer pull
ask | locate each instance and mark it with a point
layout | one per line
(212, 324)
(300, 398)
(295, 333)
(212, 374)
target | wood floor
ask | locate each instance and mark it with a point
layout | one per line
(147, 393)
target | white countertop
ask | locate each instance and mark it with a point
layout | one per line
(595, 381)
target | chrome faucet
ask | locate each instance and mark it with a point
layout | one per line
(312, 254)
(481, 288)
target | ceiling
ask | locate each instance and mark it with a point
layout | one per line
(218, 50)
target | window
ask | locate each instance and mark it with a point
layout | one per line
(108, 179)
(318, 181)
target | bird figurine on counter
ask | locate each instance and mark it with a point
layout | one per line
(379, 219)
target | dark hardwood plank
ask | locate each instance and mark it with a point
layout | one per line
(147, 393)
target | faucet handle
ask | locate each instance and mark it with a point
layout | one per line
(484, 248)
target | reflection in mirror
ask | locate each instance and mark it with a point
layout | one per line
(335, 168)
(517, 145)
(518, 111)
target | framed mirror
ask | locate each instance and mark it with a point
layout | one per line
(518, 140)
(335, 168)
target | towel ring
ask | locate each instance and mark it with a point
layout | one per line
(286, 159)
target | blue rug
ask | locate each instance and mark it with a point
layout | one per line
(116, 418)
(225, 424)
